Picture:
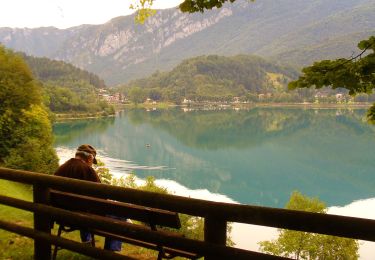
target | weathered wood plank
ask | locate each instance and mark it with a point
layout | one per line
(42, 249)
(215, 231)
(108, 207)
(62, 242)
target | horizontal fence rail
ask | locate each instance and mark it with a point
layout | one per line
(62, 242)
(97, 222)
(216, 215)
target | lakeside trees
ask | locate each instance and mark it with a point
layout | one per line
(304, 245)
(25, 129)
(137, 95)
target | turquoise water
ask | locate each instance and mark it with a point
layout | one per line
(256, 156)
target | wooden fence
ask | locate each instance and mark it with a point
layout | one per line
(216, 216)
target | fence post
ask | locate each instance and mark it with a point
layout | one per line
(42, 250)
(215, 231)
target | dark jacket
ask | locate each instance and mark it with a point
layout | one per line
(77, 169)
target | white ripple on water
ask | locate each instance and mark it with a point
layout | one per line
(245, 236)
(118, 167)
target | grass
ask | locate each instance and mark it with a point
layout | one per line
(14, 246)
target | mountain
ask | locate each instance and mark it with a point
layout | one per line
(293, 31)
(216, 78)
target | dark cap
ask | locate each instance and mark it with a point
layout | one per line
(88, 149)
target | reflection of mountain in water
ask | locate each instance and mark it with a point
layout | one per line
(241, 129)
(256, 157)
(213, 130)
(70, 130)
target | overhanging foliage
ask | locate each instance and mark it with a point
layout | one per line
(357, 74)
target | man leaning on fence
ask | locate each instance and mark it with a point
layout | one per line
(80, 168)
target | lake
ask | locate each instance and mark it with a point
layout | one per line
(257, 156)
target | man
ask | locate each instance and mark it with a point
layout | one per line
(80, 167)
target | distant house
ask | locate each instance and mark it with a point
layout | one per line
(115, 98)
(185, 109)
(340, 97)
(186, 101)
(264, 96)
(236, 99)
(320, 95)
(151, 101)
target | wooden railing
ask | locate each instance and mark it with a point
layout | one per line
(216, 216)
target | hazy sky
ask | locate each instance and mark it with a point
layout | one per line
(66, 13)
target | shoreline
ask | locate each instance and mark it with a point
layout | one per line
(314, 105)
(253, 105)
(67, 117)
(61, 117)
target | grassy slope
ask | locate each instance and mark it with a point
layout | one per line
(13, 246)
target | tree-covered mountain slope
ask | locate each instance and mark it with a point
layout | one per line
(68, 88)
(61, 72)
(216, 78)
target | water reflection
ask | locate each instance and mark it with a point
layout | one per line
(67, 131)
(244, 128)
(256, 157)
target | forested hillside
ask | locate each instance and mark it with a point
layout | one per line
(61, 72)
(68, 88)
(215, 78)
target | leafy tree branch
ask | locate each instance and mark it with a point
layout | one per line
(356, 74)
(144, 9)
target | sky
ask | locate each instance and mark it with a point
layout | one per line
(66, 13)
